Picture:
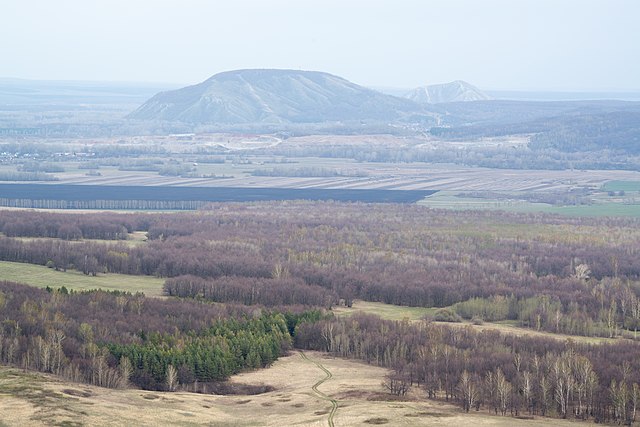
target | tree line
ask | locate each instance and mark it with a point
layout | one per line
(114, 339)
(486, 370)
(566, 275)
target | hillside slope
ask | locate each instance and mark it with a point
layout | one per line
(274, 96)
(456, 91)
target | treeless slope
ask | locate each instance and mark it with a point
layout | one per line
(37, 400)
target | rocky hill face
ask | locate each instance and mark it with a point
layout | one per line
(457, 91)
(274, 96)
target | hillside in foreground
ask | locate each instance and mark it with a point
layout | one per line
(40, 400)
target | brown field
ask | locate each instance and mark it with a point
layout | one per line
(391, 176)
(36, 399)
(379, 175)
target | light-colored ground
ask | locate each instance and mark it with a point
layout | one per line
(133, 239)
(34, 400)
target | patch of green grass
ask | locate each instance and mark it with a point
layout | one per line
(385, 311)
(449, 200)
(40, 276)
(621, 186)
(603, 208)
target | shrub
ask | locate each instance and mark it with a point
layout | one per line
(446, 315)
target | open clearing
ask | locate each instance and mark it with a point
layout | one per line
(396, 312)
(41, 277)
(37, 399)
(133, 239)
(385, 311)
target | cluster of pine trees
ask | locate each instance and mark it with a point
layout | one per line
(113, 339)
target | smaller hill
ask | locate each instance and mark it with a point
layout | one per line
(456, 91)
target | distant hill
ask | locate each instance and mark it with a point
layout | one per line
(456, 91)
(274, 96)
(618, 131)
(567, 126)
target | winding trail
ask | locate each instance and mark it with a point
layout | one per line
(329, 375)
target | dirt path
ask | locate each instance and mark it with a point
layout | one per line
(329, 375)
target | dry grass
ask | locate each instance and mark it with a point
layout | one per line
(133, 239)
(36, 399)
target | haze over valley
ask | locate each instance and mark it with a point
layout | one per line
(320, 213)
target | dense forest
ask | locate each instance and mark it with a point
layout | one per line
(572, 131)
(538, 154)
(256, 277)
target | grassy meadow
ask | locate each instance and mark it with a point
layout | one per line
(36, 399)
(41, 277)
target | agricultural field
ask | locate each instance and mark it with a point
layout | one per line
(306, 165)
(238, 172)
(599, 204)
(622, 186)
(305, 387)
(314, 161)
(141, 197)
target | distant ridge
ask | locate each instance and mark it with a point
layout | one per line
(456, 91)
(274, 96)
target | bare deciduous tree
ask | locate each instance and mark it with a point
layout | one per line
(171, 378)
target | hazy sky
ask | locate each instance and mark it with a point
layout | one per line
(494, 44)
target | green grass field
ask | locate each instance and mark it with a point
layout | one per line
(605, 209)
(621, 186)
(385, 311)
(40, 276)
(449, 200)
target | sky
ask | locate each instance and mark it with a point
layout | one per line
(557, 45)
